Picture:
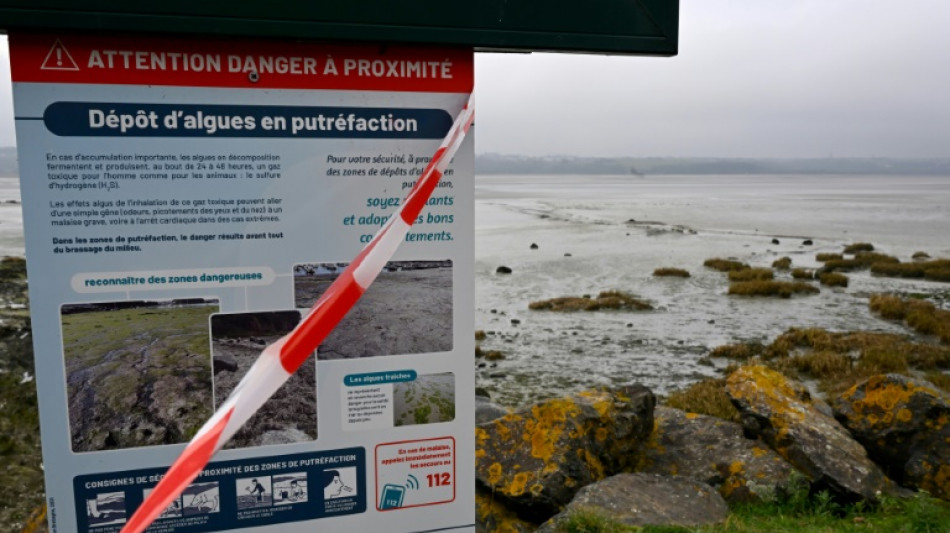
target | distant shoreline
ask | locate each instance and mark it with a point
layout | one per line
(646, 166)
(492, 163)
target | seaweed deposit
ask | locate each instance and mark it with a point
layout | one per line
(408, 309)
(138, 373)
(426, 400)
(783, 289)
(724, 265)
(290, 415)
(606, 300)
(833, 360)
(671, 272)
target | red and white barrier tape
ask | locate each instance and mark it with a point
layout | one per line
(282, 358)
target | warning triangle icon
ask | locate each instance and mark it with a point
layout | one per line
(58, 58)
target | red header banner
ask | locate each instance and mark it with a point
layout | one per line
(198, 62)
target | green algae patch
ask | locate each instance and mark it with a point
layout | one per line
(781, 289)
(742, 351)
(671, 272)
(858, 247)
(724, 265)
(833, 279)
(803, 273)
(923, 316)
(605, 301)
(782, 263)
(706, 397)
(751, 274)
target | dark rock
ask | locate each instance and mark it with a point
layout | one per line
(716, 452)
(646, 500)
(492, 516)
(568, 254)
(486, 410)
(503, 270)
(775, 241)
(807, 242)
(515, 321)
(534, 246)
(904, 424)
(483, 392)
(223, 363)
(537, 458)
(782, 413)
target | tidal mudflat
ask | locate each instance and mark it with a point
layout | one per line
(582, 235)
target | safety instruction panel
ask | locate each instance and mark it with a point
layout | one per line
(185, 202)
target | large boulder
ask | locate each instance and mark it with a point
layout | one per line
(782, 413)
(904, 424)
(645, 500)
(537, 458)
(716, 452)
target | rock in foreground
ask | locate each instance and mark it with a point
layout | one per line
(716, 452)
(905, 426)
(782, 413)
(539, 457)
(646, 499)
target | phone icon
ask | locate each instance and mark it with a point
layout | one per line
(391, 497)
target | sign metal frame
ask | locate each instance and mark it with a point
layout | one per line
(633, 27)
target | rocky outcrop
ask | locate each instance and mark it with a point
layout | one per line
(782, 413)
(716, 452)
(486, 410)
(538, 458)
(904, 424)
(646, 499)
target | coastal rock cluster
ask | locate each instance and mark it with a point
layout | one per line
(615, 453)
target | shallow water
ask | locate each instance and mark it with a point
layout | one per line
(617, 230)
(11, 217)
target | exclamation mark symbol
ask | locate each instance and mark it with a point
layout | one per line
(59, 56)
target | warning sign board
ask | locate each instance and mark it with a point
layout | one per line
(185, 202)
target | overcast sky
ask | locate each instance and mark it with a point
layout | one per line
(754, 78)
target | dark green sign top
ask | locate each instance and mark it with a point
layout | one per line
(642, 27)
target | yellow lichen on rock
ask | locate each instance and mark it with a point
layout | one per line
(546, 426)
(594, 465)
(518, 484)
(882, 400)
(494, 474)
